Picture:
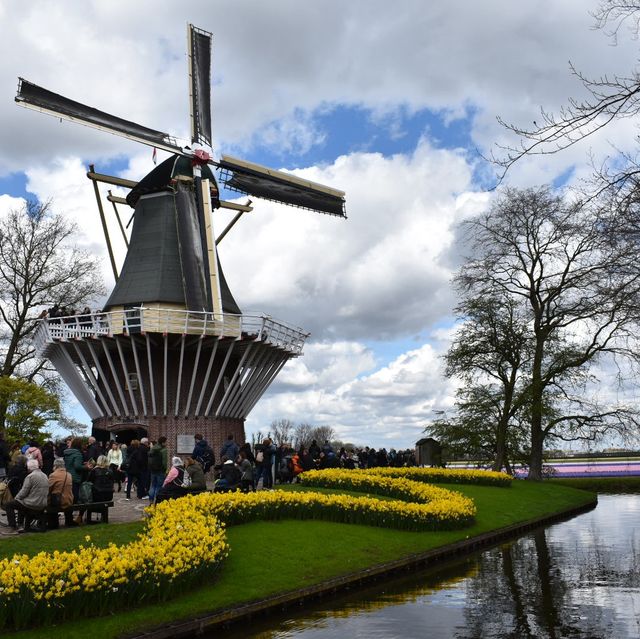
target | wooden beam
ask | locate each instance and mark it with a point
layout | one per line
(177, 408)
(208, 373)
(139, 373)
(103, 377)
(211, 256)
(151, 381)
(115, 210)
(220, 376)
(127, 382)
(115, 378)
(229, 227)
(245, 208)
(92, 378)
(109, 179)
(194, 375)
(232, 380)
(116, 199)
(104, 227)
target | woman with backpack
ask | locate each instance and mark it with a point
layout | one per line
(176, 482)
(101, 477)
(33, 452)
(196, 475)
(74, 464)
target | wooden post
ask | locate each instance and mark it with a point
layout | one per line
(115, 209)
(104, 224)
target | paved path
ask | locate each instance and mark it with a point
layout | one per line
(122, 511)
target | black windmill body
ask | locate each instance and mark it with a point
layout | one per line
(171, 353)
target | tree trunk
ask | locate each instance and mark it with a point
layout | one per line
(537, 390)
(503, 422)
(535, 461)
(501, 442)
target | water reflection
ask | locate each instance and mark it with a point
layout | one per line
(580, 578)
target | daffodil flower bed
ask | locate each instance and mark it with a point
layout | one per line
(184, 542)
(446, 475)
(179, 545)
(452, 508)
(436, 508)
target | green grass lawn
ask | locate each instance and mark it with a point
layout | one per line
(272, 557)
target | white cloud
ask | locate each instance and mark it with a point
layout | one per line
(384, 273)
(64, 181)
(8, 203)
(276, 64)
(380, 274)
(389, 407)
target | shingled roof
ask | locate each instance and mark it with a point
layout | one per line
(164, 260)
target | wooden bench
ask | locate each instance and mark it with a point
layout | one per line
(100, 507)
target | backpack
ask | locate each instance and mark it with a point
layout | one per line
(85, 495)
(155, 460)
(183, 479)
(259, 457)
(103, 481)
(5, 493)
(207, 459)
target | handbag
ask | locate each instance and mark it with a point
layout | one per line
(55, 499)
(5, 494)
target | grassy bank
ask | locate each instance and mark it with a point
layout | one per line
(610, 485)
(271, 557)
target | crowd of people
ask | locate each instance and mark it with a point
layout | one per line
(69, 313)
(54, 479)
(286, 463)
(42, 482)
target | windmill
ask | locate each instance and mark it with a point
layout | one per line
(172, 353)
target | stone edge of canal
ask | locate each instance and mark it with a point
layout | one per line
(278, 603)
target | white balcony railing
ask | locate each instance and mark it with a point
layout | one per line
(163, 320)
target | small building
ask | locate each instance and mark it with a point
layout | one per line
(428, 452)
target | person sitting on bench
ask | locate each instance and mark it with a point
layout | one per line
(196, 474)
(102, 477)
(60, 494)
(175, 483)
(31, 500)
(230, 478)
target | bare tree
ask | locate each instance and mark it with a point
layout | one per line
(579, 286)
(323, 434)
(39, 267)
(490, 353)
(258, 438)
(73, 426)
(609, 98)
(283, 430)
(303, 435)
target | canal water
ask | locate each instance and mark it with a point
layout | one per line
(579, 578)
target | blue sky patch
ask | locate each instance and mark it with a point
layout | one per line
(15, 185)
(352, 129)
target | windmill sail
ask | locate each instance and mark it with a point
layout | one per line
(34, 97)
(200, 84)
(260, 181)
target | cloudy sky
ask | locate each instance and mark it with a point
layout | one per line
(395, 103)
